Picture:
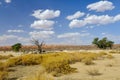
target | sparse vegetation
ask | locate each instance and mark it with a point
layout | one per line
(55, 63)
(114, 51)
(93, 72)
(88, 61)
(40, 75)
(109, 56)
(28, 59)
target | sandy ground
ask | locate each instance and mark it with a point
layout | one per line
(107, 72)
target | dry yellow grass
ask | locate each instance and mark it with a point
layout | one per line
(3, 71)
(55, 63)
(5, 56)
(41, 74)
(3, 75)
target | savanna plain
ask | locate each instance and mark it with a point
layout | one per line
(62, 65)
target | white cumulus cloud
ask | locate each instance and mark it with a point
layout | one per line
(75, 15)
(15, 31)
(101, 6)
(94, 20)
(43, 24)
(46, 14)
(12, 39)
(41, 34)
(6, 37)
(77, 23)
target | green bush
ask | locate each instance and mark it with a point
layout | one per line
(16, 47)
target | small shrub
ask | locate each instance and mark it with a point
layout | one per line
(58, 68)
(87, 61)
(31, 59)
(113, 51)
(93, 72)
(109, 56)
(102, 53)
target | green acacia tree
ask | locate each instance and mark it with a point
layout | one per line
(16, 47)
(103, 43)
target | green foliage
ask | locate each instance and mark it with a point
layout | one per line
(16, 47)
(103, 43)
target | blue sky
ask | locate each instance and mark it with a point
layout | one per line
(59, 21)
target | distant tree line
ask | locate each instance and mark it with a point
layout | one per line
(103, 43)
(16, 47)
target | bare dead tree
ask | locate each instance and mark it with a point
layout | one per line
(39, 45)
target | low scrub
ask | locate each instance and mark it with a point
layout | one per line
(58, 68)
(55, 63)
(87, 61)
(114, 51)
(30, 59)
(93, 72)
(109, 56)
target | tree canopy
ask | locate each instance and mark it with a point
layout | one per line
(103, 43)
(16, 47)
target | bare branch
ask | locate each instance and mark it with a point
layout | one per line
(39, 45)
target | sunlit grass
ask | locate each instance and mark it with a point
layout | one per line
(56, 64)
(5, 56)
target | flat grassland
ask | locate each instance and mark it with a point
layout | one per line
(64, 65)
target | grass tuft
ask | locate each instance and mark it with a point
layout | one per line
(93, 72)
